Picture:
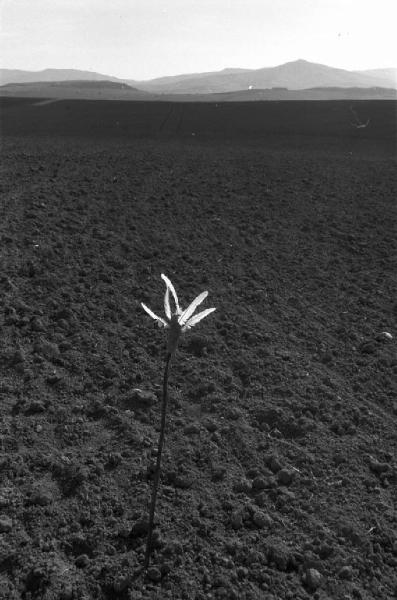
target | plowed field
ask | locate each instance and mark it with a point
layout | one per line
(280, 469)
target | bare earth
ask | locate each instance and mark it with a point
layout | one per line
(280, 468)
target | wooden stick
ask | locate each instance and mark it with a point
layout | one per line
(158, 462)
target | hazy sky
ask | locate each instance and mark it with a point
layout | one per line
(141, 39)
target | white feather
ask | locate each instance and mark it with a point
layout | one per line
(192, 307)
(194, 320)
(153, 315)
(173, 292)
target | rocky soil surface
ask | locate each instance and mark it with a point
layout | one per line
(279, 470)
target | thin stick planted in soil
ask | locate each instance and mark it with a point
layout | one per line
(176, 322)
(158, 461)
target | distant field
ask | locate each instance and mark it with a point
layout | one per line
(299, 122)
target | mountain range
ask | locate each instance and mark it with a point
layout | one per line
(296, 75)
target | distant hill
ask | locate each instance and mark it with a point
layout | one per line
(90, 90)
(172, 80)
(98, 84)
(18, 76)
(296, 75)
(86, 85)
(382, 74)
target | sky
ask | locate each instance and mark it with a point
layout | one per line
(143, 39)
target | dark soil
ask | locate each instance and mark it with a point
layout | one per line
(280, 469)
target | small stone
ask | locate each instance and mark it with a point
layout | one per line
(36, 406)
(346, 572)
(154, 574)
(141, 399)
(220, 581)
(63, 323)
(262, 520)
(12, 317)
(260, 499)
(197, 345)
(253, 472)
(236, 519)
(21, 306)
(280, 555)
(325, 551)
(284, 494)
(313, 579)
(67, 592)
(165, 569)
(140, 528)
(285, 476)
(82, 561)
(242, 572)
(191, 429)
(37, 324)
(233, 413)
(170, 476)
(121, 583)
(173, 548)
(218, 473)
(183, 482)
(65, 346)
(54, 378)
(216, 438)
(384, 336)
(5, 524)
(41, 497)
(378, 467)
(157, 540)
(49, 350)
(124, 532)
(18, 357)
(368, 348)
(210, 425)
(114, 459)
(109, 370)
(242, 486)
(259, 483)
(274, 464)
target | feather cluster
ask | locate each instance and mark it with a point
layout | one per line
(178, 321)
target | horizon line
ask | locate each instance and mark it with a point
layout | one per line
(192, 72)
